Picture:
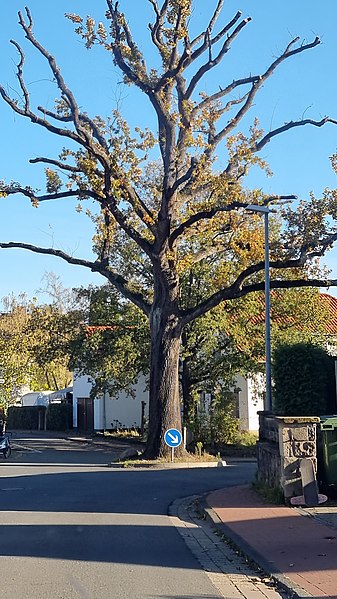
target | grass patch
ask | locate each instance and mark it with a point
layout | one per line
(244, 446)
(125, 434)
(189, 457)
(269, 494)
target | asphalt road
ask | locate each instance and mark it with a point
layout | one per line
(70, 527)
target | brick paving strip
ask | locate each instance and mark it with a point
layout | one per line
(285, 541)
(229, 573)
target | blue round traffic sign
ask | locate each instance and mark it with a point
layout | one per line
(173, 437)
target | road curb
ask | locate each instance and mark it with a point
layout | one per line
(289, 586)
(168, 465)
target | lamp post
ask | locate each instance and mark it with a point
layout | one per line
(265, 211)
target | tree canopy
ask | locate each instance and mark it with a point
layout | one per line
(35, 346)
(164, 202)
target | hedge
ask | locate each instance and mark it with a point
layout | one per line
(303, 377)
(59, 417)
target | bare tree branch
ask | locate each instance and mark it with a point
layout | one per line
(115, 279)
(20, 74)
(109, 203)
(287, 126)
(235, 292)
(157, 27)
(29, 193)
(212, 63)
(53, 66)
(39, 121)
(256, 85)
(58, 164)
(209, 214)
(83, 117)
(223, 92)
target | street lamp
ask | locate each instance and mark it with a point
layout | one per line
(265, 211)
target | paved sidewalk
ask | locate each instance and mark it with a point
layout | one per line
(229, 572)
(288, 543)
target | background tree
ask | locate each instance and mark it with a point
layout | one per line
(193, 198)
(15, 365)
(50, 333)
(35, 346)
(113, 344)
(230, 339)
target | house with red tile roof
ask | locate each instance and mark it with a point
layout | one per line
(330, 302)
(252, 389)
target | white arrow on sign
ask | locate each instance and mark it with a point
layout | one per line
(174, 438)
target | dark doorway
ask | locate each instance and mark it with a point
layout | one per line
(85, 414)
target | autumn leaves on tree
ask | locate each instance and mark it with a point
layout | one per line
(167, 212)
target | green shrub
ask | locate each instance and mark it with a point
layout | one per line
(225, 428)
(303, 380)
(25, 417)
(59, 417)
(217, 426)
(247, 438)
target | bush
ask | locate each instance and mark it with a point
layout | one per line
(24, 418)
(216, 426)
(59, 417)
(224, 427)
(303, 380)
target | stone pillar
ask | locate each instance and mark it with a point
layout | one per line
(283, 442)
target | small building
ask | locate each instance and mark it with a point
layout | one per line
(35, 398)
(109, 413)
(44, 398)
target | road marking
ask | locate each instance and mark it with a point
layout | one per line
(82, 519)
(26, 448)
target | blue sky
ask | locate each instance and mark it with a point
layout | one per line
(306, 85)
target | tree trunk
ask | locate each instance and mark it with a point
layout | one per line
(186, 386)
(164, 406)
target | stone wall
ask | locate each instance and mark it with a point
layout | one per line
(283, 442)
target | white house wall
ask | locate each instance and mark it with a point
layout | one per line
(82, 388)
(251, 400)
(123, 412)
(242, 384)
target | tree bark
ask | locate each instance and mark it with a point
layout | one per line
(186, 386)
(164, 406)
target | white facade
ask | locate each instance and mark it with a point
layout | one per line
(126, 412)
(109, 413)
(251, 400)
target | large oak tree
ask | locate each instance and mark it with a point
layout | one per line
(187, 208)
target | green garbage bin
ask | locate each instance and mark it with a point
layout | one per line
(327, 450)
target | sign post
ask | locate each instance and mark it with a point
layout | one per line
(173, 438)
